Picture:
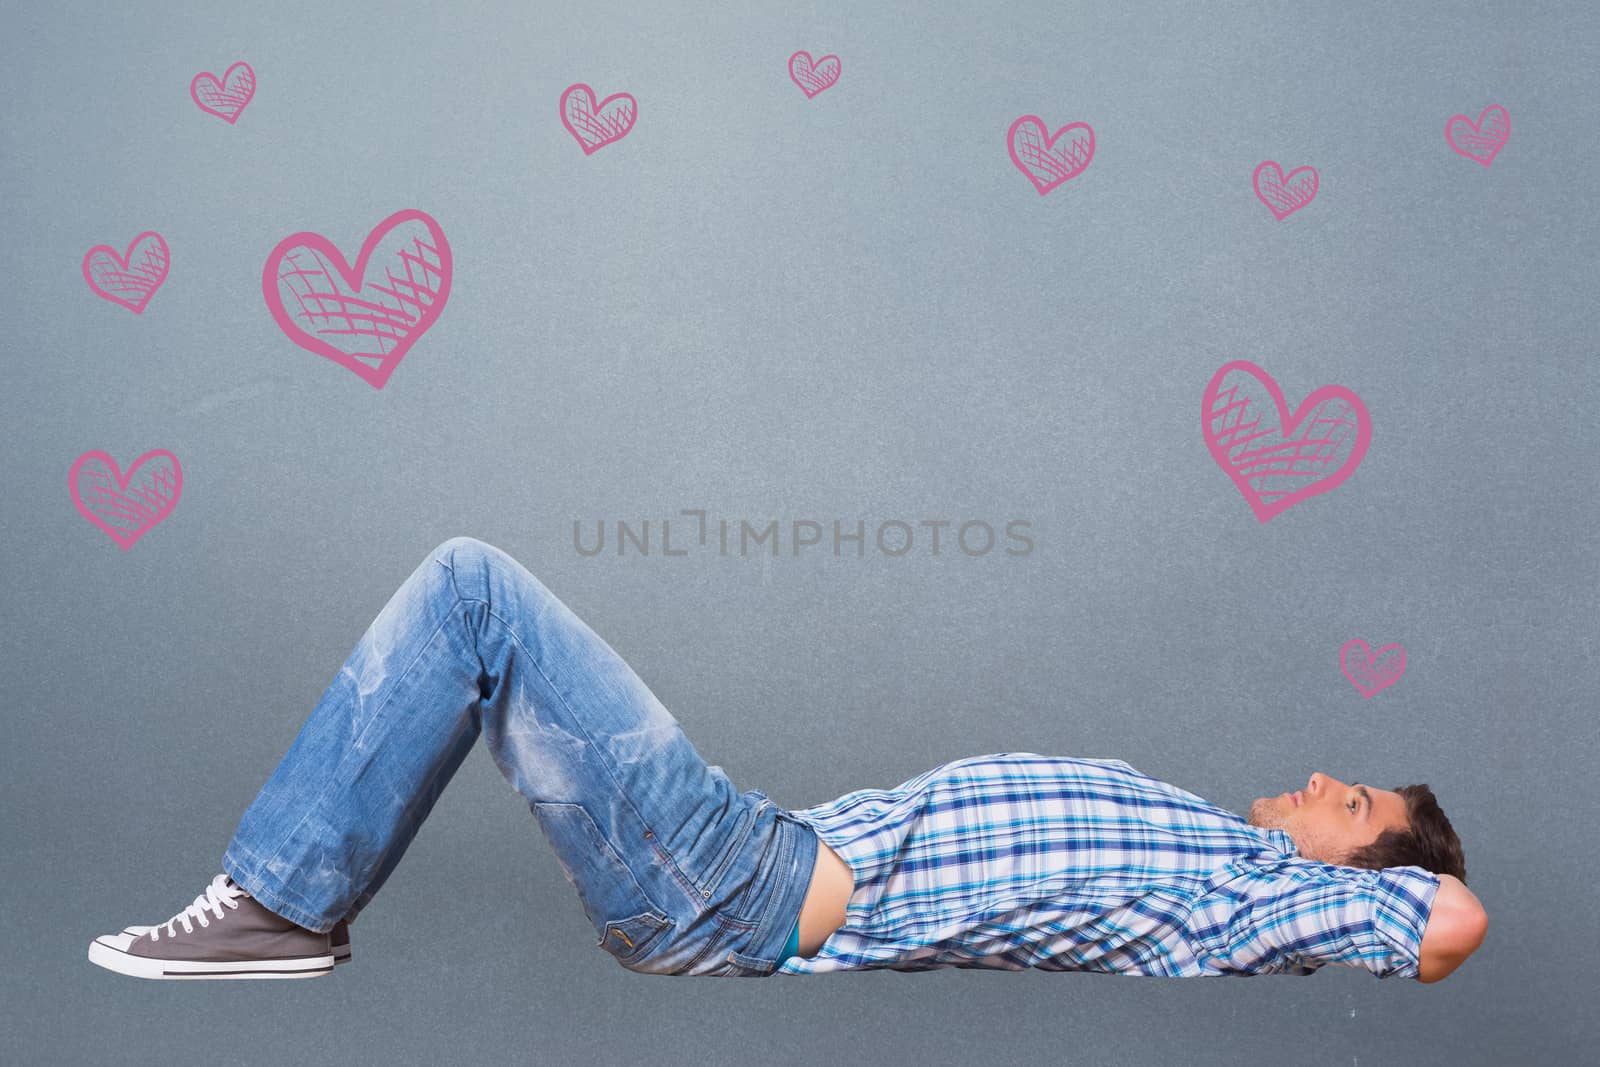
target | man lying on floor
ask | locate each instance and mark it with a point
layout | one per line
(1004, 861)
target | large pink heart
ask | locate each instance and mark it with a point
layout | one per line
(1370, 671)
(129, 280)
(226, 98)
(1275, 459)
(1284, 195)
(366, 317)
(597, 125)
(126, 506)
(1035, 154)
(813, 76)
(1481, 140)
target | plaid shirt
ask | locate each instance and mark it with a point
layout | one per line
(1018, 860)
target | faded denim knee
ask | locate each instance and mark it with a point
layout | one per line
(468, 560)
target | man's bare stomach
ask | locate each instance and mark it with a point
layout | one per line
(832, 883)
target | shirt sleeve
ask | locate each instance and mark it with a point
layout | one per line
(1319, 914)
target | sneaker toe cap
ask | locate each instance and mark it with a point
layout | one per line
(120, 942)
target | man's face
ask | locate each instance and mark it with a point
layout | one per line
(1329, 819)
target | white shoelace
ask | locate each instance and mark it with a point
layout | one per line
(219, 894)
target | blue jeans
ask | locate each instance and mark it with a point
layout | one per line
(678, 871)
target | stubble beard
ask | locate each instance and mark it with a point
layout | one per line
(1264, 812)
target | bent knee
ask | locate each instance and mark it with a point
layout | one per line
(447, 548)
(483, 572)
(468, 560)
(465, 554)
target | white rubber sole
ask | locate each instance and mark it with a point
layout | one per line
(113, 958)
(341, 954)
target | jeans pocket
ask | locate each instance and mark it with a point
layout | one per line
(627, 920)
(734, 841)
(722, 958)
(732, 968)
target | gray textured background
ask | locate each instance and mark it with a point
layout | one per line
(774, 307)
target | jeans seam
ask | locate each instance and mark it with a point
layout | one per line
(748, 820)
(234, 848)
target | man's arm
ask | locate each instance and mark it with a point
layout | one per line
(1455, 929)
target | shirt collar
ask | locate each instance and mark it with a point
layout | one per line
(1282, 839)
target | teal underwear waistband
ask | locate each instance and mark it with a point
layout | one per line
(793, 947)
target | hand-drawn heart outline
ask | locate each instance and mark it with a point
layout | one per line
(1059, 166)
(1287, 194)
(405, 292)
(102, 262)
(819, 73)
(1381, 674)
(155, 501)
(1490, 142)
(229, 100)
(1216, 429)
(601, 123)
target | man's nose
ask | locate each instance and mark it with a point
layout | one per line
(1320, 782)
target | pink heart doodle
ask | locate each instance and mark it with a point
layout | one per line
(813, 76)
(1036, 155)
(1481, 140)
(1284, 195)
(596, 126)
(129, 280)
(1277, 460)
(366, 317)
(1371, 671)
(226, 98)
(103, 495)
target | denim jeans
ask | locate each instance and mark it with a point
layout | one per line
(677, 870)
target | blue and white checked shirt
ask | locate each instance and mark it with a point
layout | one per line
(1018, 860)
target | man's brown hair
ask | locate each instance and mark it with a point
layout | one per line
(1430, 842)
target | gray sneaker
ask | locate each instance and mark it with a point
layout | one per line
(338, 939)
(225, 933)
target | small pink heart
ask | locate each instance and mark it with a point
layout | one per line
(1369, 671)
(813, 76)
(129, 280)
(226, 98)
(1284, 195)
(1274, 459)
(596, 126)
(1481, 140)
(1037, 156)
(126, 506)
(366, 317)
